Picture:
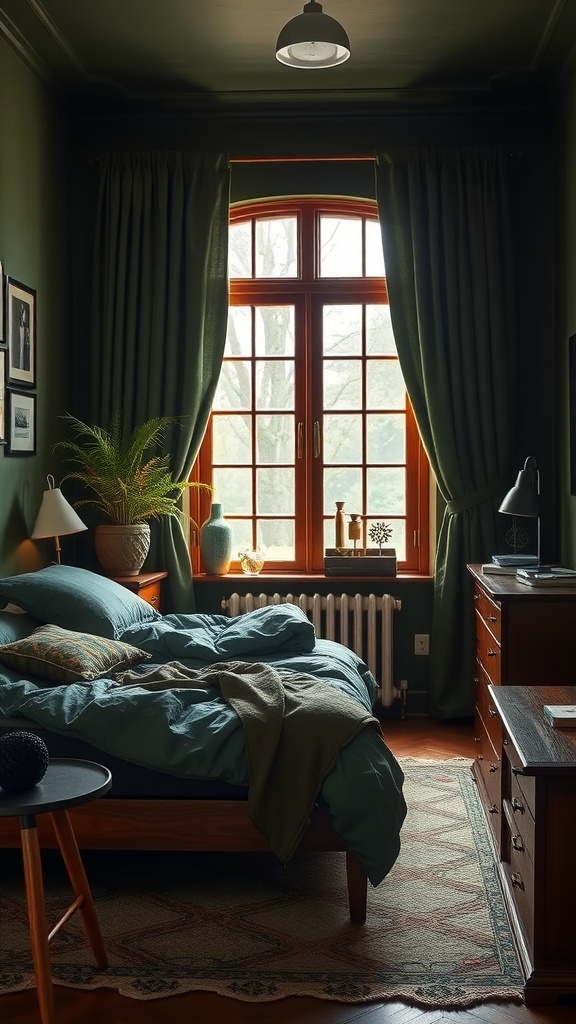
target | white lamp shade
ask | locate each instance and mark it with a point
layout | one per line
(56, 517)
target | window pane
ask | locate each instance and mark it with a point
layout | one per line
(274, 439)
(275, 384)
(384, 385)
(275, 331)
(342, 384)
(342, 330)
(340, 247)
(234, 386)
(241, 536)
(386, 492)
(240, 249)
(277, 247)
(276, 539)
(374, 250)
(379, 336)
(232, 440)
(275, 491)
(386, 438)
(343, 484)
(343, 439)
(233, 487)
(239, 333)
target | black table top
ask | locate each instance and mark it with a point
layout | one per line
(67, 782)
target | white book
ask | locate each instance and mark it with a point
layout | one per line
(491, 569)
(561, 716)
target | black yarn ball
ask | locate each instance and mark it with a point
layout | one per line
(23, 761)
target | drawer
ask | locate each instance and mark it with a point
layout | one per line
(519, 876)
(487, 710)
(488, 651)
(151, 594)
(490, 612)
(520, 825)
(488, 773)
(522, 787)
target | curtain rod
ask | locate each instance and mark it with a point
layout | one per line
(299, 159)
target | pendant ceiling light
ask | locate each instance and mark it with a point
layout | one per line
(312, 40)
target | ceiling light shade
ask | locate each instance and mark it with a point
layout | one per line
(56, 517)
(312, 40)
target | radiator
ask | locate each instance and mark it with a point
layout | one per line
(362, 623)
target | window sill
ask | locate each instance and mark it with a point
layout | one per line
(285, 578)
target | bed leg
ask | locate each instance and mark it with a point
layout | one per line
(357, 889)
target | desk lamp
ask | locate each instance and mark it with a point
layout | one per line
(524, 500)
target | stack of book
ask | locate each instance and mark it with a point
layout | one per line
(506, 565)
(547, 576)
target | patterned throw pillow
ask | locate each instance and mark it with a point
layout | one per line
(67, 657)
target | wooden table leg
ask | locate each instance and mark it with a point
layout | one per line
(37, 918)
(75, 868)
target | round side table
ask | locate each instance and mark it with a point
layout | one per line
(67, 782)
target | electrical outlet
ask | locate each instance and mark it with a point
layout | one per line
(421, 643)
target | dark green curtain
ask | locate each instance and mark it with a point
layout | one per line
(160, 307)
(446, 230)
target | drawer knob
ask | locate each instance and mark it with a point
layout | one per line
(516, 879)
(154, 599)
(517, 771)
(493, 767)
(517, 842)
(491, 652)
(517, 805)
(492, 712)
(492, 618)
(493, 809)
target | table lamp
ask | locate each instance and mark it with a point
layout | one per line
(56, 517)
(524, 500)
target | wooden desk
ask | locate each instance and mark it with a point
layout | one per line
(538, 838)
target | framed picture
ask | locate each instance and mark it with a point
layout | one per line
(2, 396)
(21, 333)
(572, 409)
(2, 323)
(21, 413)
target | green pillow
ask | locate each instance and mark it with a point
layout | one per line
(77, 599)
(64, 656)
(15, 627)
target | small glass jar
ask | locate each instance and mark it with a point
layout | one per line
(251, 562)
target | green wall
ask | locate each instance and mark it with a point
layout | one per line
(34, 160)
(565, 313)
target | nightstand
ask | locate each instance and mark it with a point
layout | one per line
(147, 585)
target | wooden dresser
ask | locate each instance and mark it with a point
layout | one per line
(538, 836)
(148, 586)
(524, 637)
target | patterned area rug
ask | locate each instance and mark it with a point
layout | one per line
(242, 926)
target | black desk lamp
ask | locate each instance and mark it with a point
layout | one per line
(524, 498)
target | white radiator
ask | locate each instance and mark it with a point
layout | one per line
(363, 623)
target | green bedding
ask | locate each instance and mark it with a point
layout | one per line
(196, 733)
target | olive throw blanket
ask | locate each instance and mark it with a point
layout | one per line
(294, 727)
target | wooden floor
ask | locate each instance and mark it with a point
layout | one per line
(416, 737)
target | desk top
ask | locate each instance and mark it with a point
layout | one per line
(67, 782)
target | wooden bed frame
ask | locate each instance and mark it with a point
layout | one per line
(113, 823)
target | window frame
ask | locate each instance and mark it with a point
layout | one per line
(308, 292)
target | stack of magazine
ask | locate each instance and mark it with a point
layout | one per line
(547, 576)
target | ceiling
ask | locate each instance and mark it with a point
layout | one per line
(219, 54)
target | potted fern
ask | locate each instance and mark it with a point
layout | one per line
(129, 486)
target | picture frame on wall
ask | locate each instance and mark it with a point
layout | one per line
(20, 333)
(21, 413)
(3, 396)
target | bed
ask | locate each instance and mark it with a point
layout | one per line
(243, 733)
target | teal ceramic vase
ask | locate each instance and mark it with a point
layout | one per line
(216, 542)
